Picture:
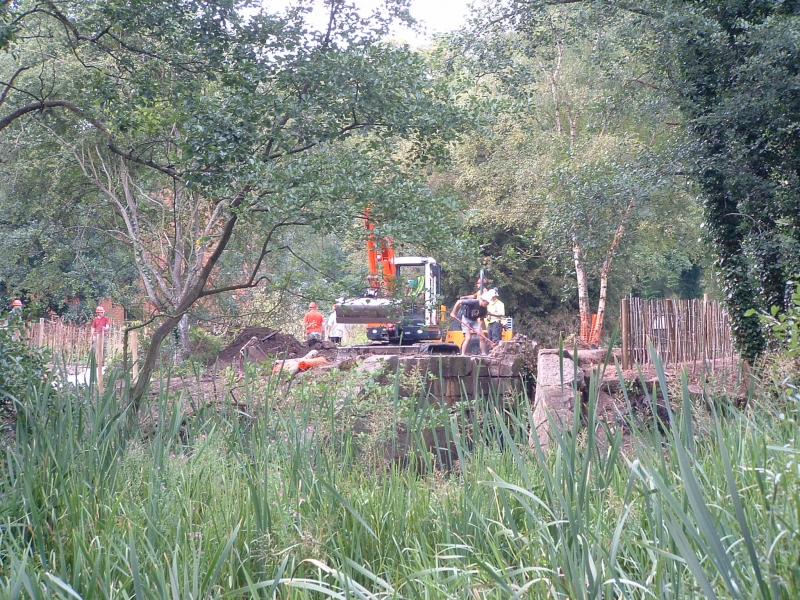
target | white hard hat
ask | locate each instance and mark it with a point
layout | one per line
(487, 296)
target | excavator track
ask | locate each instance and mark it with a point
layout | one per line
(438, 348)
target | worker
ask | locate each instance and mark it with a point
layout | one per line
(14, 315)
(415, 287)
(313, 323)
(495, 312)
(100, 324)
(480, 284)
(334, 330)
(472, 320)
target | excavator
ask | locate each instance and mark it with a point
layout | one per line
(401, 303)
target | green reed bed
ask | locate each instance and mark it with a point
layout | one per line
(287, 494)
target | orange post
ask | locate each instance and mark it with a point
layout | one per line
(307, 363)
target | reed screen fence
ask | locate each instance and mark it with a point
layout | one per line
(679, 330)
(71, 343)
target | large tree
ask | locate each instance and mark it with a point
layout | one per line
(54, 244)
(731, 67)
(578, 156)
(202, 124)
(735, 69)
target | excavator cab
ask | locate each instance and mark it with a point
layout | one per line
(401, 314)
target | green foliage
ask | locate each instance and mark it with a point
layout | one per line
(733, 66)
(211, 133)
(277, 497)
(21, 366)
(205, 345)
(572, 144)
(784, 324)
(53, 240)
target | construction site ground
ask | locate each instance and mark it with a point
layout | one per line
(223, 382)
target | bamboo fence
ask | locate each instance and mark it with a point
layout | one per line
(70, 343)
(680, 331)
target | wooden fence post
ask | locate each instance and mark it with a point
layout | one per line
(98, 355)
(626, 332)
(706, 328)
(40, 334)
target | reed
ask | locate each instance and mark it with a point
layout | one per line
(279, 496)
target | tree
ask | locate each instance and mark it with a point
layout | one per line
(207, 129)
(731, 67)
(53, 244)
(736, 70)
(579, 156)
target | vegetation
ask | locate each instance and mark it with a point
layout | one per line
(209, 135)
(209, 163)
(278, 497)
(20, 365)
(598, 137)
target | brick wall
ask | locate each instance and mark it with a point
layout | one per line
(115, 312)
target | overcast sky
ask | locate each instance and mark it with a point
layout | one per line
(436, 16)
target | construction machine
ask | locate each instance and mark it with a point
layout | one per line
(400, 305)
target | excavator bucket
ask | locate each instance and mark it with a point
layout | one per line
(368, 310)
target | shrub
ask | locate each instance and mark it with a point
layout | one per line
(20, 365)
(205, 346)
(785, 325)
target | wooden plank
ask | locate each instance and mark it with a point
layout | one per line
(626, 331)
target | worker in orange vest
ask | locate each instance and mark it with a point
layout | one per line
(313, 323)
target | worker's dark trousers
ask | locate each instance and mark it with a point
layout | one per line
(495, 331)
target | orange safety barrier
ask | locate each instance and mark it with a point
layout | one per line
(586, 328)
(307, 363)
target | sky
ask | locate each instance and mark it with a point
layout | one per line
(435, 16)
(438, 16)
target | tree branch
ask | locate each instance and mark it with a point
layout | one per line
(45, 104)
(310, 145)
(10, 84)
(644, 83)
(251, 282)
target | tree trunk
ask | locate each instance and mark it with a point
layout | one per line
(184, 347)
(725, 229)
(597, 326)
(191, 295)
(161, 332)
(583, 292)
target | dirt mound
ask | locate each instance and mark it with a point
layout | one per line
(269, 342)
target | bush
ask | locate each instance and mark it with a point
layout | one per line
(205, 346)
(20, 365)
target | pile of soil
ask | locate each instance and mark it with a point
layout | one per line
(270, 342)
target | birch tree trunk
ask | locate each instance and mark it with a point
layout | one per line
(583, 290)
(597, 327)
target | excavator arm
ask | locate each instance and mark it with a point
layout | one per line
(380, 259)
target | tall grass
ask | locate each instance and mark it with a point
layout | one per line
(283, 495)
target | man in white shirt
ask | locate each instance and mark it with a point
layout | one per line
(333, 329)
(495, 313)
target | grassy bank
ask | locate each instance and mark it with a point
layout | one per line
(289, 496)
